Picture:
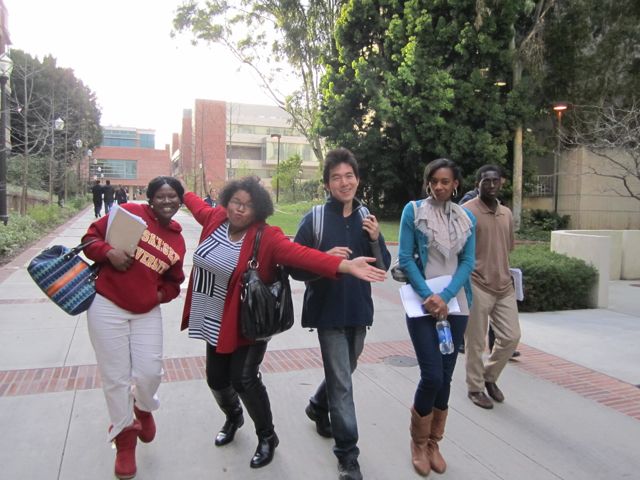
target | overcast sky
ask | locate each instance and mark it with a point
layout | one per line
(121, 49)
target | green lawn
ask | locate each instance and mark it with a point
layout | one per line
(288, 216)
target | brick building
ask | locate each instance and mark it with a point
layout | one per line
(127, 156)
(222, 140)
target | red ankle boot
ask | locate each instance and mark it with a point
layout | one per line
(126, 451)
(148, 431)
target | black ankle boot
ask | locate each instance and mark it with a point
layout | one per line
(264, 453)
(229, 403)
(228, 430)
(321, 419)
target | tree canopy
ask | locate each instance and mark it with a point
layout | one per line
(414, 81)
(273, 38)
(41, 93)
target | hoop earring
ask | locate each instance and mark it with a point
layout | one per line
(428, 191)
(455, 192)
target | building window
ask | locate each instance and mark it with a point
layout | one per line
(238, 152)
(116, 169)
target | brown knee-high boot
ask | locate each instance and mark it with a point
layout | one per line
(126, 441)
(437, 432)
(420, 431)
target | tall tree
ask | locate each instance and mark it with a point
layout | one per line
(414, 81)
(613, 135)
(272, 38)
(593, 51)
(42, 92)
(526, 50)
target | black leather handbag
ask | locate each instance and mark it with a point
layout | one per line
(265, 310)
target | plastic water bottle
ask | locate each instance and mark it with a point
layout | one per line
(444, 337)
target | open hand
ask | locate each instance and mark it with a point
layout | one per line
(359, 267)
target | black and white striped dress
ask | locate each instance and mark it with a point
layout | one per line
(214, 261)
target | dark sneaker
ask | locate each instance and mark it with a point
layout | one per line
(321, 418)
(349, 469)
(480, 399)
(494, 392)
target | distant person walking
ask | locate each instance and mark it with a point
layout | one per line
(107, 194)
(96, 191)
(211, 198)
(493, 291)
(437, 238)
(121, 195)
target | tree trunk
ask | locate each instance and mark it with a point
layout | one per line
(518, 159)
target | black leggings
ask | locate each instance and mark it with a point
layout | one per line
(240, 369)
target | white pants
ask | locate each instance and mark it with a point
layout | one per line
(128, 349)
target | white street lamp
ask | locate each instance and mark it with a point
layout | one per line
(58, 125)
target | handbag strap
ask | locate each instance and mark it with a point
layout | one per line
(76, 250)
(253, 263)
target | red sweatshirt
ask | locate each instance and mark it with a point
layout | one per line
(157, 265)
(275, 249)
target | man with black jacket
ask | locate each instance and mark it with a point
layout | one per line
(340, 310)
(96, 191)
(107, 193)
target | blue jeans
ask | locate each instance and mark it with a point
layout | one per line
(340, 348)
(436, 369)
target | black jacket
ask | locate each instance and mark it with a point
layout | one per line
(344, 302)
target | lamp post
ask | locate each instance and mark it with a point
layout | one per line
(57, 125)
(278, 136)
(558, 108)
(6, 65)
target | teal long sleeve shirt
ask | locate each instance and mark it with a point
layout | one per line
(413, 254)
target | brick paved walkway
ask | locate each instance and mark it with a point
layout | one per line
(620, 396)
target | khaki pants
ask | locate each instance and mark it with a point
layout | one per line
(503, 312)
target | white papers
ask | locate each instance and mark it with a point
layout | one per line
(516, 275)
(124, 229)
(412, 302)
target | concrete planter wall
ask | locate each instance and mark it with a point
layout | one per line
(614, 253)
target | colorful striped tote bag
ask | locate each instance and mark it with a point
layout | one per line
(65, 277)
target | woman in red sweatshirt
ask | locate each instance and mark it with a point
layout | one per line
(124, 320)
(212, 306)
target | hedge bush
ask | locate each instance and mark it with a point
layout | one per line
(538, 224)
(552, 281)
(41, 219)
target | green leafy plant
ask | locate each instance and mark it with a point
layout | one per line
(552, 281)
(538, 224)
(21, 230)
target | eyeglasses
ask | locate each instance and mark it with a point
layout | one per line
(239, 205)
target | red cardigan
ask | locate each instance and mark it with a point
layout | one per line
(275, 249)
(157, 265)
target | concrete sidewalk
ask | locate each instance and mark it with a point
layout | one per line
(572, 410)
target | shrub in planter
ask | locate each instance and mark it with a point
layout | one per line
(552, 281)
(538, 224)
